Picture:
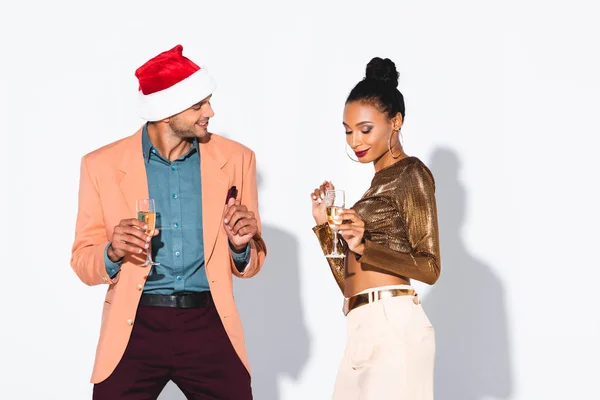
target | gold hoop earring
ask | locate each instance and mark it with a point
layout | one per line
(346, 147)
(390, 144)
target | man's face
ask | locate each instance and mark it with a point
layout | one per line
(193, 122)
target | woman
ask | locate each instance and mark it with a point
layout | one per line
(390, 236)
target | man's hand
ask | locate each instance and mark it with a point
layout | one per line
(129, 237)
(240, 224)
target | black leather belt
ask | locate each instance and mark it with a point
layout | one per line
(180, 300)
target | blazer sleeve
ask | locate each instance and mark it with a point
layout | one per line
(249, 198)
(87, 254)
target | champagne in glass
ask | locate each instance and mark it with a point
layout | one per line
(146, 212)
(332, 211)
(335, 201)
(149, 218)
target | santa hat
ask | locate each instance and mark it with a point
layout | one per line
(170, 83)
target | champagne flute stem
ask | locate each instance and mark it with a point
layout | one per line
(335, 240)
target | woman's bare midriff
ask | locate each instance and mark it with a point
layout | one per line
(358, 279)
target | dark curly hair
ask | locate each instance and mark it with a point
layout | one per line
(379, 87)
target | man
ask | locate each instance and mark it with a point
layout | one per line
(176, 320)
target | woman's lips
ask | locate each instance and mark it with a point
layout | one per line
(361, 153)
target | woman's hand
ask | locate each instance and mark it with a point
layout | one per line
(352, 230)
(319, 209)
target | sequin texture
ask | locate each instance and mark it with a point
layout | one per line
(401, 229)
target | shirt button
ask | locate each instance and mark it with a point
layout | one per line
(129, 322)
(173, 168)
(175, 195)
(139, 286)
(179, 277)
(154, 151)
(177, 253)
(176, 225)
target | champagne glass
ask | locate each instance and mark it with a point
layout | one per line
(146, 212)
(335, 201)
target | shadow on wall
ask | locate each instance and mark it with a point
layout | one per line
(271, 309)
(270, 306)
(466, 306)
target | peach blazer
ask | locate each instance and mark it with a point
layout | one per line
(112, 179)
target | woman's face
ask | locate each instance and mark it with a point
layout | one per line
(368, 131)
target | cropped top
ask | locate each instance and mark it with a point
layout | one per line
(401, 229)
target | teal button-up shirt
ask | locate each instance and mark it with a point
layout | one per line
(176, 188)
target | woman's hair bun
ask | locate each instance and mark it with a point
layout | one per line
(383, 70)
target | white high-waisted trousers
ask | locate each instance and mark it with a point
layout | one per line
(390, 351)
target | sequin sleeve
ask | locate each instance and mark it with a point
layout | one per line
(325, 237)
(415, 199)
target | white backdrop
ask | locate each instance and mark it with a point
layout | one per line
(502, 104)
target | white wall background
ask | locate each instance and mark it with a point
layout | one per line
(502, 103)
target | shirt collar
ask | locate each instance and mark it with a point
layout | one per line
(146, 143)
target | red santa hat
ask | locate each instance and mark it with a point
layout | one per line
(170, 83)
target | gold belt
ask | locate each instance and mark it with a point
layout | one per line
(370, 297)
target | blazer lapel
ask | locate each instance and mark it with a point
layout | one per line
(214, 191)
(133, 184)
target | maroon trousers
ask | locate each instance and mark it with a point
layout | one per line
(189, 347)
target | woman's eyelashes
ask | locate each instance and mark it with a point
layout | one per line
(364, 131)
